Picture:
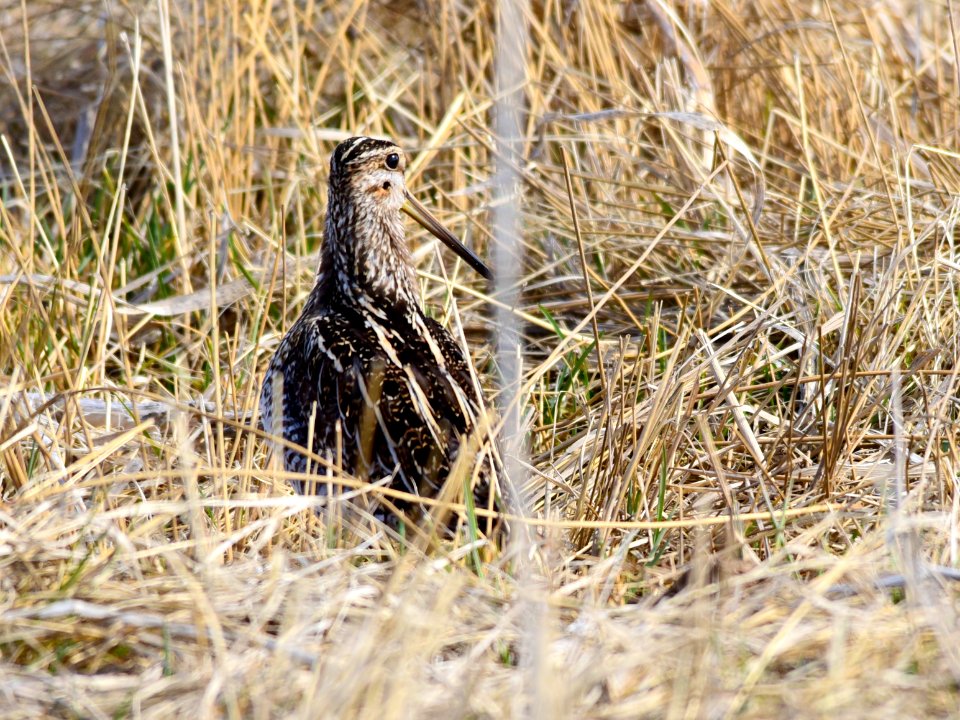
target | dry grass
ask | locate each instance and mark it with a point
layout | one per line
(766, 202)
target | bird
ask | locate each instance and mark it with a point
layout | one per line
(365, 379)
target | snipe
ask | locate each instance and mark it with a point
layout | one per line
(364, 378)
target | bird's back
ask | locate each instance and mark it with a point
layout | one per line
(373, 396)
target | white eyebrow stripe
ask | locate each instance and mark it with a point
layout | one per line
(353, 146)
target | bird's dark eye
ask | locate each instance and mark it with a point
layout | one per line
(393, 160)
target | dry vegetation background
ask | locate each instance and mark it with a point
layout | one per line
(745, 496)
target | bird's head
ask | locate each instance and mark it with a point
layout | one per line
(369, 172)
(367, 193)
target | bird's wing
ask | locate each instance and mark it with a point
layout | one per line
(312, 391)
(484, 494)
(454, 358)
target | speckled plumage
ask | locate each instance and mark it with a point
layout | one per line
(383, 390)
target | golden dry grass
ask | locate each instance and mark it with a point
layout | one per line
(743, 499)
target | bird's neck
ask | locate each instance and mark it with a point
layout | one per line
(365, 260)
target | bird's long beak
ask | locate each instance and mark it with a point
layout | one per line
(418, 212)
